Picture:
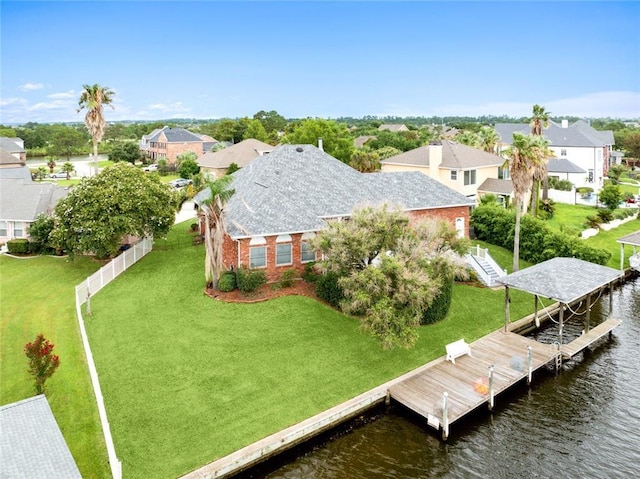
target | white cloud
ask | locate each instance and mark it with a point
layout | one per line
(12, 102)
(173, 108)
(31, 86)
(68, 94)
(51, 105)
(614, 104)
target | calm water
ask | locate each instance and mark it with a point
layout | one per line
(581, 423)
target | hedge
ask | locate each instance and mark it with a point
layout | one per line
(249, 280)
(328, 289)
(227, 281)
(18, 246)
(538, 242)
(439, 308)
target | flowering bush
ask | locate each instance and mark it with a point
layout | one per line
(42, 361)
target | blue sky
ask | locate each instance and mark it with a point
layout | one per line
(212, 59)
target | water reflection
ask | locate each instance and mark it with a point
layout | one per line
(583, 422)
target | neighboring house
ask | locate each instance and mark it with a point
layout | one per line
(393, 127)
(563, 169)
(15, 147)
(360, 141)
(284, 198)
(22, 200)
(460, 167)
(216, 163)
(502, 189)
(168, 143)
(31, 443)
(581, 144)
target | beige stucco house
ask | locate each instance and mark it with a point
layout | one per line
(460, 167)
(216, 163)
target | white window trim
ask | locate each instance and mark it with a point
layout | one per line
(265, 256)
(453, 176)
(290, 254)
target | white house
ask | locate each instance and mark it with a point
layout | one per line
(580, 144)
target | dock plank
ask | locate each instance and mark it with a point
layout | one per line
(574, 347)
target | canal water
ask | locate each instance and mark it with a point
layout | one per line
(583, 422)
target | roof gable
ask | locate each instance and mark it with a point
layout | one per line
(22, 200)
(240, 154)
(175, 135)
(578, 134)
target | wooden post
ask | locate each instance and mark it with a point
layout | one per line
(529, 364)
(587, 316)
(535, 310)
(560, 331)
(621, 256)
(491, 388)
(506, 307)
(611, 298)
(445, 416)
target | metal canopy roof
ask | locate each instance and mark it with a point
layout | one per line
(562, 279)
(632, 239)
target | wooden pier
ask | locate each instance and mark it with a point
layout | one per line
(574, 347)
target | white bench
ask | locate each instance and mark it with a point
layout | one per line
(457, 349)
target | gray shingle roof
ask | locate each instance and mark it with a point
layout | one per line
(360, 141)
(240, 154)
(562, 279)
(495, 185)
(31, 444)
(562, 165)
(295, 187)
(393, 127)
(10, 145)
(22, 200)
(578, 134)
(16, 173)
(176, 135)
(7, 159)
(455, 156)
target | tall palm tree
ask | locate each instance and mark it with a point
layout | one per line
(488, 139)
(92, 98)
(215, 228)
(522, 157)
(468, 138)
(538, 122)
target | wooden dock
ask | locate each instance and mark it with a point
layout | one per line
(468, 383)
(574, 347)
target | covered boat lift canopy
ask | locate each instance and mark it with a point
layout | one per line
(565, 280)
(632, 239)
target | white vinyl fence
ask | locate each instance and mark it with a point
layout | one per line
(84, 291)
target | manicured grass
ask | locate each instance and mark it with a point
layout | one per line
(188, 379)
(37, 296)
(572, 216)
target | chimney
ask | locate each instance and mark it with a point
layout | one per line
(565, 123)
(320, 144)
(435, 159)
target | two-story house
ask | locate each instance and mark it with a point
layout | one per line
(585, 147)
(168, 143)
(463, 168)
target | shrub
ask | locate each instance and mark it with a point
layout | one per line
(287, 278)
(328, 289)
(561, 185)
(39, 232)
(18, 246)
(227, 281)
(611, 196)
(249, 280)
(194, 227)
(42, 362)
(584, 190)
(593, 221)
(547, 209)
(605, 215)
(310, 275)
(439, 308)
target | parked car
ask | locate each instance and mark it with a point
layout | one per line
(180, 182)
(151, 167)
(59, 174)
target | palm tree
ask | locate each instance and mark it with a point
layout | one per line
(522, 157)
(468, 138)
(538, 122)
(215, 228)
(489, 138)
(92, 98)
(68, 168)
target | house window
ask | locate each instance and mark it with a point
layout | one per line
(454, 175)
(283, 250)
(258, 252)
(257, 256)
(460, 227)
(563, 152)
(3, 228)
(18, 231)
(308, 253)
(503, 173)
(470, 177)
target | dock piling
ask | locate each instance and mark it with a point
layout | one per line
(491, 388)
(529, 364)
(445, 416)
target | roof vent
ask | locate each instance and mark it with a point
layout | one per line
(299, 149)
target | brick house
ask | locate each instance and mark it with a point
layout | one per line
(169, 143)
(284, 198)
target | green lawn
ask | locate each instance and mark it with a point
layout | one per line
(607, 240)
(572, 216)
(37, 296)
(188, 379)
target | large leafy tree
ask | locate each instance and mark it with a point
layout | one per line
(215, 228)
(126, 151)
(336, 139)
(92, 98)
(365, 160)
(272, 121)
(99, 211)
(255, 129)
(390, 269)
(65, 141)
(523, 157)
